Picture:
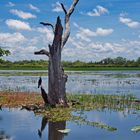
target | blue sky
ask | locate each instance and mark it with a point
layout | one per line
(99, 28)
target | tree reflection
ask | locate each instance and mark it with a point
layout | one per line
(53, 127)
(53, 130)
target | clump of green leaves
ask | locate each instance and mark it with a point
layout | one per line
(4, 52)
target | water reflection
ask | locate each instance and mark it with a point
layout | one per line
(53, 127)
(3, 135)
(53, 130)
(43, 125)
(22, 125)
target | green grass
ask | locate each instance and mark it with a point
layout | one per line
(23, 73)
(67, 68)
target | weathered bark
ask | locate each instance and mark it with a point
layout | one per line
(56, 77)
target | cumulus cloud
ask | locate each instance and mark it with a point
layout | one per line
(11, 38)
(95, 51)
(57, 7)
(10, 4)
(21, 14)
(129, 22)
(103, 32)
(17, 24)
(47, 34)
(32, 7)
(98, 11)
(20, 47)
(85, 33)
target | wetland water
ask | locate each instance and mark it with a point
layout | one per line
(94, 82)
(20, 125)
(16, 124)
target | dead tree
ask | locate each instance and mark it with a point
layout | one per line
(56, 77)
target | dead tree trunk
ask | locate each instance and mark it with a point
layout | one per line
(57, 77)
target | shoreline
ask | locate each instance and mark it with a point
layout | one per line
(101, 68)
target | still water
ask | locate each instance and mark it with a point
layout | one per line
(97, 82)
(16, 124)
(23, 125)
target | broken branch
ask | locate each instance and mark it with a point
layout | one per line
(67, 22)
(47, 24)
(64, 9)
(42, 52)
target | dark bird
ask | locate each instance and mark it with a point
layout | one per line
(39, 82)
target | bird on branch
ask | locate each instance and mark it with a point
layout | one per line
(43, 92)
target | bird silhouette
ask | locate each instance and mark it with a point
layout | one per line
(39, 82)
(43, 92)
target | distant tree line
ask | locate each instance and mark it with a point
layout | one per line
(107, 62)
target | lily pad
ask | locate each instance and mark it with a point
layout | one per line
(136, 128)
(65, 131)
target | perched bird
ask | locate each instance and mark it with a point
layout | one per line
(43, 92)
(39, 82)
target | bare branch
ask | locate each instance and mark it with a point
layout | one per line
(67, 22)
(64, 9)
(70, 11)
(47, 24)
(42, 52)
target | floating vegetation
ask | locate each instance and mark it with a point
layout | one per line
(136, 128)
(81, 120)
(65, 131)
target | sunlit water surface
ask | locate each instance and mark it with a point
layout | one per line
(23, 125)
(97, 82)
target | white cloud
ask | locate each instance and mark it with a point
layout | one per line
(85, 34)
(129, 22)
(11, 38)
(95, 51)
(32, 7)
(21, 48)
(98, 11)
(21, 14)
(57, 7)
(17, 24)
(10, 4)
(47, 36)
(103, 32)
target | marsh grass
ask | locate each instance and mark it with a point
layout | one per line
(24, 73)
